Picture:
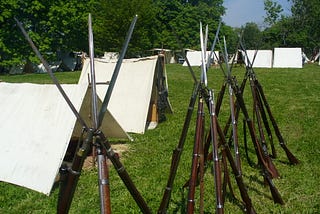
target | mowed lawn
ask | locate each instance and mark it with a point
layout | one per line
(294, 98)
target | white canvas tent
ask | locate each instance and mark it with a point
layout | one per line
(287, 58)
(134, 93)
(194, 57)
(36, 127)
(263, 58)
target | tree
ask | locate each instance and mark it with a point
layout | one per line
(306, 21)
(180, 21)
(252, 36)
(112, 20)
(52, 25)
(273, 10)
(62, 25)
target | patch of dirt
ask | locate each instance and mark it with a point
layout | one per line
(119, 149)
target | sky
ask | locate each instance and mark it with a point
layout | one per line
(239, 12)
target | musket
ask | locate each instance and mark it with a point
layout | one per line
(264, 163)
(266, 123)
(103, 174)
(215, 132)
(292, 159)
(215, 148)
(195, 158)
(226, 153)
(232, 112)
(177, 152)
(213, 122)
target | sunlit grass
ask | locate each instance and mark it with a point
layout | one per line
(293, 95)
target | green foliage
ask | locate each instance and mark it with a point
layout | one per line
(293, 97)
(180, 20)
(273, 10)
(252, 36)
(62, 25)
(306, 21)
(52, 25)
(112, 20)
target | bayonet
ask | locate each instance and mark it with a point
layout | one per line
(94, 103)
(107, 97)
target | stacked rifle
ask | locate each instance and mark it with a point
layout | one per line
(217, 138)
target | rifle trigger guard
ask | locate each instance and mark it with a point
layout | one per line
(73, 172)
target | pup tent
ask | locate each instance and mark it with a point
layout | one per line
(263, 58)
(139, 98)
(36, 128)
(287, 58)
(194, 58)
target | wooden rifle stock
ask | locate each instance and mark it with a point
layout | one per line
(71, 178)
(195, 159)
(266, 123)
(274, 191)
(256, 108)
(178, 151)
(123, 174)
(103, 176)
(292, 159)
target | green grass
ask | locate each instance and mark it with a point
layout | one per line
(293, 95)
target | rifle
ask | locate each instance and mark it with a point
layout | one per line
(215, 148)
(195, 158)
(292, 159)
(232, 111)
(177, 152)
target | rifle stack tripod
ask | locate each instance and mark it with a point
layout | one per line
(221, 153)
(92, 137)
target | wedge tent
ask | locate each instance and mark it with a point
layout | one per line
(287, 58)
(139, 92)
(37, 125)
(194, 57)
(260, 58)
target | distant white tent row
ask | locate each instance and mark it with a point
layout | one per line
(37, 124)
(279, 58)
(194, 57)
